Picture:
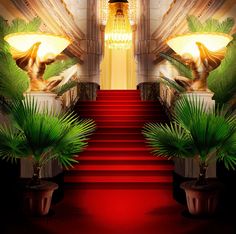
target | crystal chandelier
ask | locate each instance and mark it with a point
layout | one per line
(118, 32)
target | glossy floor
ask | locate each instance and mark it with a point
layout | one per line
(117, 211)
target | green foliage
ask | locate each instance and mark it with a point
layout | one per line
(195, 130)
(17, 25)
(13, 80)
(183, 69)
(169, 140)
(54, 69)
(3, 31)
(3, 26)
(20, 25)
(194, 24)
(222, 81)
(210, 25)
(12, 144)
(43, 135)
(172, 84)
(64, 88)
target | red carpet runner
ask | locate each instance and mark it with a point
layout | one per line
(117, 152)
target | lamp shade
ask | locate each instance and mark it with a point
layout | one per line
(186, 43)
(50, 45)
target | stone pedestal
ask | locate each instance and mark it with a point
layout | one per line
(150, 91)
(48, 101)
(201, 95)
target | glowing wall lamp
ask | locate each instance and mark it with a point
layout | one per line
(118, 32)
(33, 51)
(203, 52)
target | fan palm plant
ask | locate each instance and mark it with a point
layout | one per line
(42, 136)
(196, 132)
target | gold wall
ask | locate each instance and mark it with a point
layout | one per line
(118, 70)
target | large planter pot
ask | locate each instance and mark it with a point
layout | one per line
(37, 198)
(202, 199)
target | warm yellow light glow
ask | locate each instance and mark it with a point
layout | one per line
(186, 43)
(51, 45)
(104, 11)
(118, 32)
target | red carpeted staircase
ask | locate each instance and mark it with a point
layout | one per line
(117, 152)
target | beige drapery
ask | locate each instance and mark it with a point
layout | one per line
(118, 70)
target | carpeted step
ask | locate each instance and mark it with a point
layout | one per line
(117, 136)
(120, 173)
(119, 144)
(118, 98)
(121, 168)
(119, 111)
(126, 118)
(118, 102)
(118, 179)
(118, 93)
(117, 152)
(125, 123)
(122, 160)
(118, 130)
(138, 151)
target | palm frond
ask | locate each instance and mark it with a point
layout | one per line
(17, 25)
(226, 26)
(51, 134)
(3, 26)
(54, 69)
(66, 160)
(229, 160)
(208, 127)
(182, 68)
(187, 107)
(208, 133)
(74, 139)
(194, 24)
(210, 25)
(64, 88)
(13, 144)
(222, 80)
(13, 81)
(4, 46)
(20, 25)
(172, 84)
(169, 140)
(198, 130)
